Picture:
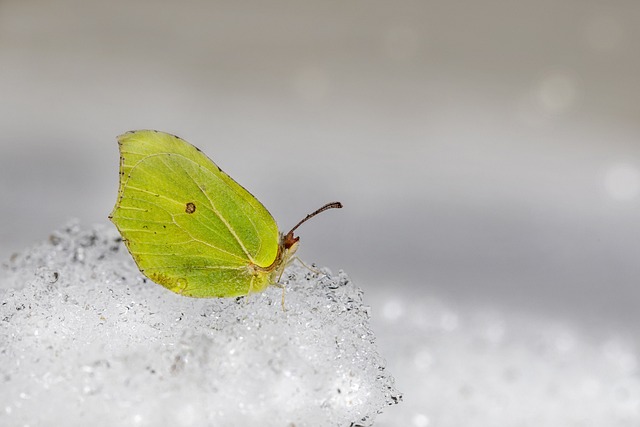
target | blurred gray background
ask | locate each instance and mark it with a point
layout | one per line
(486, 152)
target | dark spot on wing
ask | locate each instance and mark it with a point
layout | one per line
(191, 208)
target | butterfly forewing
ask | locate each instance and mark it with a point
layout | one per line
(188, 225)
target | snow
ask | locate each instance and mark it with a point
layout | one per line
(86, 340)
(487, 366)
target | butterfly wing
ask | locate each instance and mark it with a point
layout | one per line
(188, 225)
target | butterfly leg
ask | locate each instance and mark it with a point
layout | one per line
(284, 288)
(311, 269)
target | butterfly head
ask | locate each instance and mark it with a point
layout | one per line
(289, 242)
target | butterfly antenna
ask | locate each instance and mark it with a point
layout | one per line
(332, 205)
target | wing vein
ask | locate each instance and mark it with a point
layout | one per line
(186, 231)
(215, 211)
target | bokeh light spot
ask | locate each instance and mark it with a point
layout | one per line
(393, 310)
(449, 321)
(622, 182)
(423, 359)
(556, 93)
(420, 420)
(621, 355)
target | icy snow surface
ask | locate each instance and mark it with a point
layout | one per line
(464, 366)
(85, 340)
(484, 367)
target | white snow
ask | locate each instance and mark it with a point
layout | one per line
(461, 366)
(86, 340)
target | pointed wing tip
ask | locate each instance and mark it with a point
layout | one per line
(140, 132)
(130, 133)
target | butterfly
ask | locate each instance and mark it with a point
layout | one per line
(190, 227)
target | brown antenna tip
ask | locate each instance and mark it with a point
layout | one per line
(332, 205)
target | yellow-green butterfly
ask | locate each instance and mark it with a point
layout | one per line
(189, 226)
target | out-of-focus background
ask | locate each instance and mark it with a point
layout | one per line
(487, 153)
